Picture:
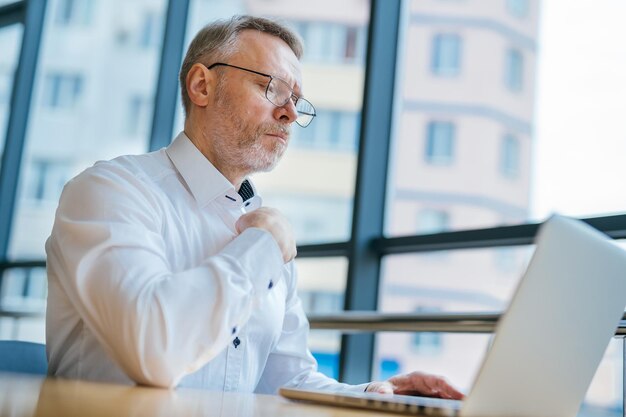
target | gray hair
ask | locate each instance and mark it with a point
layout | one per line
(217, 41)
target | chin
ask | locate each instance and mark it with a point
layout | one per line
(267, 167)
(266, 164)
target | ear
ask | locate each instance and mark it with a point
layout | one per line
(200, 83)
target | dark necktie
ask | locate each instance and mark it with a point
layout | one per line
(245, 191)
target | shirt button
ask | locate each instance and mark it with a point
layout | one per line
(236, 342)
(234, 330)
(271, 284)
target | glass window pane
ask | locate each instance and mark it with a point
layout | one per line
(538, 127)
(459, 356)
(10, 43)
(534, 119)
(447, 148)
(465, 281)
(456, 356)
(580, 135)
(444, 281)
(321, 286)
(94, 74)
(314, 183)
(439, 281)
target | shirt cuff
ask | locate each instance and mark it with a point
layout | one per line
(259, 255)
(359, 388)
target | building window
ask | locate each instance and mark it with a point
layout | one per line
(510, 157)
(327, 363)
(425, 342)
(328, 42)
(315, 218)
(74, 12)
(514, 70)
(518, 8)
(389, 367)
(46, 179)
(432, 221)
(332, 130)
(440, 137)
(24, 284)
(150, 34)
(446, 54)
(139, 115)
(351, 50)
(62, 91)
(321, 301)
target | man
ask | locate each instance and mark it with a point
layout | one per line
(165, 270)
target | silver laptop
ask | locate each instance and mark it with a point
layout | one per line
(548, 343)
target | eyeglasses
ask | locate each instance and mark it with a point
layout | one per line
(278, 92)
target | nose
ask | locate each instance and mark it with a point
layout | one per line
(286, 113)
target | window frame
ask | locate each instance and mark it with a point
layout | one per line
(31, 15)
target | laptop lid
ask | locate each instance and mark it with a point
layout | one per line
(554, 333)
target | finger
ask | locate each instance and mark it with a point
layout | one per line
(417, 383)
(240, 224)
(422, 384)
(380, 388)
(441, 388)
(246, 221)
(450, 392)
(293, 251)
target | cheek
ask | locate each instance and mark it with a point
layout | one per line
(259, 108)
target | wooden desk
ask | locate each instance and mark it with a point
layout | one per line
(26, 396)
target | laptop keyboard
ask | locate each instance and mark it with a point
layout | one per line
(408, 404)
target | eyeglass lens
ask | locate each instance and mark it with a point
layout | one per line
(279, 93)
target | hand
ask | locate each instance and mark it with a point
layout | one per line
(416, 383)
(276, 223)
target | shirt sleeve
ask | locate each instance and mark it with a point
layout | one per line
(108, 254)
(291, 363)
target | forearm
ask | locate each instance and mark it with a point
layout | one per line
(160, 325)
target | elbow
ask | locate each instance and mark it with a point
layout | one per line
(157, 375)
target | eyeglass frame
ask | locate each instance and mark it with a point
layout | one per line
(271, 77)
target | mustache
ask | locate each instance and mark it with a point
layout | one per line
(277, 130)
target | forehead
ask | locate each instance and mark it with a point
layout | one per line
(267, 53)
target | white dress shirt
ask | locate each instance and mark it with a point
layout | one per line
(149, 282)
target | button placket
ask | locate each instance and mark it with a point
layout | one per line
(235, 355)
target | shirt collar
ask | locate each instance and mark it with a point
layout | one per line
(204, 181)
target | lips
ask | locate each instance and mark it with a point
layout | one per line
(283, 136)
